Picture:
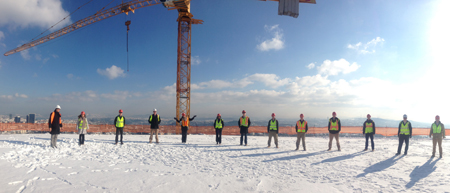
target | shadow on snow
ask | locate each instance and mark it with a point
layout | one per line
(296, 156)
(380, 166)
(340, 158)
(421, 172)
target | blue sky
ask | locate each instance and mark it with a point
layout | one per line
(386, 58)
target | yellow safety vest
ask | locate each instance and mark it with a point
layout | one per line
(301, 128)
(334, 125)
(244, 122)
(404, 129)
(119, 122)
(80, 126)
(369, 127)
(218, 124)
(151, 117)
(437, 129)
(273, 125)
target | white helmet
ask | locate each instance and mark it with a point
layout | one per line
(154, 110)
(58, 107)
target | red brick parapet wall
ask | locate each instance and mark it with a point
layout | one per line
(209, 130)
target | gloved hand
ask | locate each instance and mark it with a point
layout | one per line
(175, 118)
(195, 115)
(429, 136)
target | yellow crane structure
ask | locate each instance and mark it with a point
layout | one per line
(185, 21)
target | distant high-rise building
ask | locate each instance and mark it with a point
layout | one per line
(31, 118)
(17, 119)
(10, 116)
(27, 119)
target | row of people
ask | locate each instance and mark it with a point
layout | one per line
(437, 130)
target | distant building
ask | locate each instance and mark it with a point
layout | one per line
(17, 119)
(31, 118)
(10, 116)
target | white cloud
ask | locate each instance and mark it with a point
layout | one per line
(275, 43)
(195, 60)
(117, 95)
(35, 75)
(112, 72)
(270, 80)
(337, 66)
(25, 54)
(367, 48)
(86, 96)
(2, 35)
(15, 96)
(311, 66)
(32, 13)
(70, 76)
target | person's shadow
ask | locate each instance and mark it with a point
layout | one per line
(340, 158)
(421, 172)
(380, 166)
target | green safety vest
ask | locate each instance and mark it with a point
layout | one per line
(301, 127)
(80, 126)
(244, 122)
(334, 125)
(119, 122)
(151, 117)
(273, 125)
(218, 124)
(437, 129)
(369, 127)
(404, 129)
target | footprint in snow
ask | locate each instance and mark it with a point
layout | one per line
(73, 173)
(16, 182)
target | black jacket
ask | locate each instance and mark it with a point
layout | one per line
(242, 128)
(364, 126)
(115, 120)
(221, 120)
(268, 126)
(55, 125)
(296, 126)
(329, 125)
(156, 120)
(181, 118)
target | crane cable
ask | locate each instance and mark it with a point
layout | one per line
(61, 20)
(127, 23)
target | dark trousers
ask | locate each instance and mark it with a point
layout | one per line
(219, 136)
(184, 134)
(242, 138)
(402, 138)
(81, 140)
(119, 130)
(369, 135)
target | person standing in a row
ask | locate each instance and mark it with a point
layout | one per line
(301, 127)
(218, 125)
(82, 126)
(55, 124)
(369, 132)
(154, 121)
(244, 124)
(119, 122)
(438, 132)
(334, 127)
(404, 133)
(184, 125)
(272, 129)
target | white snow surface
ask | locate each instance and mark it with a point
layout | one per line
(29, 164)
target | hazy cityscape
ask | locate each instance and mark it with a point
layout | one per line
(199, 121)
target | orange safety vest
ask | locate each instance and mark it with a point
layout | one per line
(244, 123)
(334, 125)
(53, 116)
(301, 128)
(185, 123)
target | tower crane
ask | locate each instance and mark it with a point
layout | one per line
(185, 21)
